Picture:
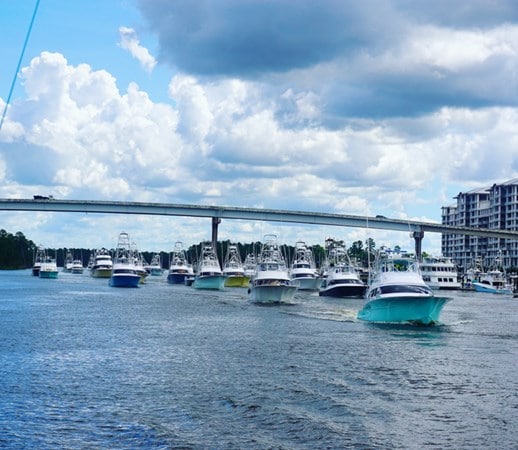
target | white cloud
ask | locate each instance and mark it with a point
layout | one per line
(228, 142)
(129, 41)
(456, 50)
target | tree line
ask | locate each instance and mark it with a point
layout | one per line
(17, 252)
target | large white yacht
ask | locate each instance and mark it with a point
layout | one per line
(440, 273)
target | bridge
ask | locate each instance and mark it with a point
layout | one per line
(216, 213)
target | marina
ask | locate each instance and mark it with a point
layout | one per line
(344, 178)
(168, 366)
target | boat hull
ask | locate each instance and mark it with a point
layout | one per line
(237, 281)
(49, 274)
(343, 290)
(480, 287)
(125, 280)
(307, 284)
(272, 294)
(418, 310)
(177, 278)
(101, 273)
(156, 272)
(213, 282)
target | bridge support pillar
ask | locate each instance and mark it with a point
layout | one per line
(215, 222)
(418, 238)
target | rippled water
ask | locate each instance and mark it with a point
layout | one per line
(85, 365)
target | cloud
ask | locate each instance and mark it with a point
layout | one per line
(372, 59)
(129, 41)
(231, 37)
(239, 142)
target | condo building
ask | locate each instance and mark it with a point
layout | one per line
(494, 207)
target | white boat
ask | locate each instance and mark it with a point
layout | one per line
(140, 263)
(234, 269)
(179, 267)
(154, 268)
(48, 267)
(77, 266)
(271, 282)
(440, 273)
(249, 264)
(102, 264)
(303, 271)
(124, 272)
(341, 277)
(208, 274)
(69, 262)
(39, 257)
(493, 281)
(397, 292)
(472, 274)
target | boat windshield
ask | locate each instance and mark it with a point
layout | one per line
(399, 288)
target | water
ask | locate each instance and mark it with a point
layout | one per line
(85, 365)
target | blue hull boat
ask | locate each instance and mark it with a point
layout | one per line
(125, 280)
(177, 278)
(488, 289)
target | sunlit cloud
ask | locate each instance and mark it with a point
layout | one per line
(129, 41)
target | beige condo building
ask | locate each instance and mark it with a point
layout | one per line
(494, 207)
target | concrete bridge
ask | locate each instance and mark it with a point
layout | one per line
(216, 213)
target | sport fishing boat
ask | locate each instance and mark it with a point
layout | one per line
(69, 262)
(271, 282)
(48, 268)
(102, 264)
(397, 293)
(140, 263)
(209, 274)
(77, 266)
(154, 268)
(493, 281)
(124, 272)
(179, 268)
(233, 268)
(341, 277)
(303, 271)
(440, 273)
(39, 257)
(249, 265)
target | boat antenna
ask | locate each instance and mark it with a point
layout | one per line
(11, 89)
(367, 242)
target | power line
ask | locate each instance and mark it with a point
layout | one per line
(19, 64)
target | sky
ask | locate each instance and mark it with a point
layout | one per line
(372, 107)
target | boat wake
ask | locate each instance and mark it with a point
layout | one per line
(336, 315)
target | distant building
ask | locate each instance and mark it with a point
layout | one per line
(494, 207)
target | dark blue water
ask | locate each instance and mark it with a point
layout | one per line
(85, 365)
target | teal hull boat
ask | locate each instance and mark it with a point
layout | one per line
(213, 282)
(418, 310)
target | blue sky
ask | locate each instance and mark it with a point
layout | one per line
(375, 107)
